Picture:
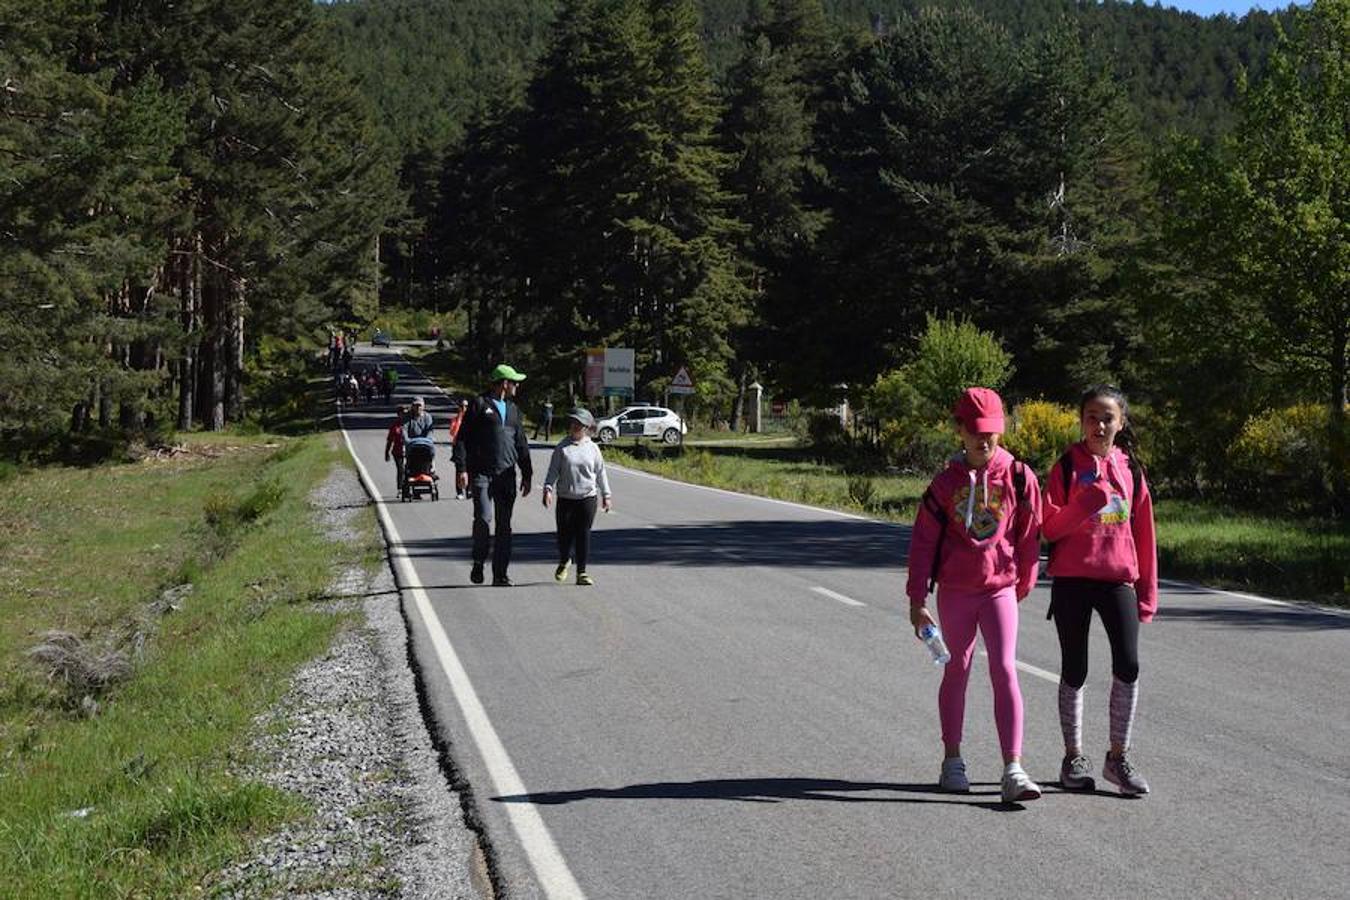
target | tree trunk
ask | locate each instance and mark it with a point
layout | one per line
(738, 405)
(213, 352)
(189, 310)
(234, 410)
(1340, 461)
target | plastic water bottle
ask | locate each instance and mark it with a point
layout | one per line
(931, 636)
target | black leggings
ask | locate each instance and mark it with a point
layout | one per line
(575, 518)
(1073, 601)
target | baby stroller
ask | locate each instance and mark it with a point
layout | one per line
(419, 471)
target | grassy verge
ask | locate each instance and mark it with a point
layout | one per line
(1299, 559)
(785, 473)
(447, 369)
(122, 787)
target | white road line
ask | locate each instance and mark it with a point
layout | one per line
(1269, 601)
(704, 487)
(1032, 670)
(555, 878)
(834, 595)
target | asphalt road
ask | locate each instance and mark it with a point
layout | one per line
(738, 708)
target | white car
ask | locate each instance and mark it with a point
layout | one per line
(642, 421)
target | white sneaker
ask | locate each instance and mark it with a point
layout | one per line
(1017, 785)
(953, 777)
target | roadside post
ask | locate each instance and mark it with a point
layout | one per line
(756, 408)
(681, 386)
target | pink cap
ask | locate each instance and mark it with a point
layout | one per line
(980, 410)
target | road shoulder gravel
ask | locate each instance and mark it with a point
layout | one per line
(348, 737)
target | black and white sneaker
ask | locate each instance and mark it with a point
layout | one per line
(1075, 774)
(1119, 771)
(476, 573)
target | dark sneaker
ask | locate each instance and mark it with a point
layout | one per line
(476, 573)
(560, 573)
(953, 777)
(1123, 775)
(501, 581)
(1075, 774)
(1017, 785)
(584, 580)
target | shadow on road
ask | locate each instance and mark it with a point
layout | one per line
(770, 790)
(1289, 619)
(826, 544)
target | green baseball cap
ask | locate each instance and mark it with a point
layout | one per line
(504, 372)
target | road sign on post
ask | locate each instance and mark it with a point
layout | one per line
(681, 383)
(595, 371)
(619, 364)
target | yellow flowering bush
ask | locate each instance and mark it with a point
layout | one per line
(1038, 432)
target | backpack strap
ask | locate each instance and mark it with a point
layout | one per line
(1065, 465)
(1136, 480)
(931, 504)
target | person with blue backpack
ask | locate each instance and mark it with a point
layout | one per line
(977, 540)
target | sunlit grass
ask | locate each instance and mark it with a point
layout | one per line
(138, 799)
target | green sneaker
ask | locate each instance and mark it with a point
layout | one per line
(585, 580)
(560, 573)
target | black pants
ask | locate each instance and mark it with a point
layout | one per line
(398, 472)
(493, 495)
(575, 518)
(1073, 601)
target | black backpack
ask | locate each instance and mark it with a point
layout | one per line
(931, 504)
(1065, 466)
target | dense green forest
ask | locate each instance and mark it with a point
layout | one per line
(789, 191)
(179, 180)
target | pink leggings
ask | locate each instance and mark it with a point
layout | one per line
(995, 614)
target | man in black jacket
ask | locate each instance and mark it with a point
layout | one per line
(490, 445)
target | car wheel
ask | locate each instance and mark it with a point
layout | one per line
(671, 436)
(607, 435)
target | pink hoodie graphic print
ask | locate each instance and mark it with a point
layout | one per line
(993, 535)
(1099, 530)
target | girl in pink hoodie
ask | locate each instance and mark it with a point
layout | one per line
(1099, 522)
(977, 538)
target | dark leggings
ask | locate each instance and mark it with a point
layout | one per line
(575, 518)
(1073, 601)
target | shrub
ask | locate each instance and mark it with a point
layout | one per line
(1038, 432)
(825, 431)
(953, 355)
(917, 449)
(224, 511)
(1283, 458)
(862, 490)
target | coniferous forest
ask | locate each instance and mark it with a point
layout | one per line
(787, 191)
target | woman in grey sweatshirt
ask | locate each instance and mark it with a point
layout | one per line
(576, 473)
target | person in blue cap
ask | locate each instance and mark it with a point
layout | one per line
(490, 446)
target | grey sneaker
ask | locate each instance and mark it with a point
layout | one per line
(1123, 775)
(953, 777)
(1075, 774)
(1018, 786)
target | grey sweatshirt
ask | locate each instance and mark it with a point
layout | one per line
(577, 470)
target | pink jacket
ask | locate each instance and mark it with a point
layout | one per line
(990, 542)
(1099, 530)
